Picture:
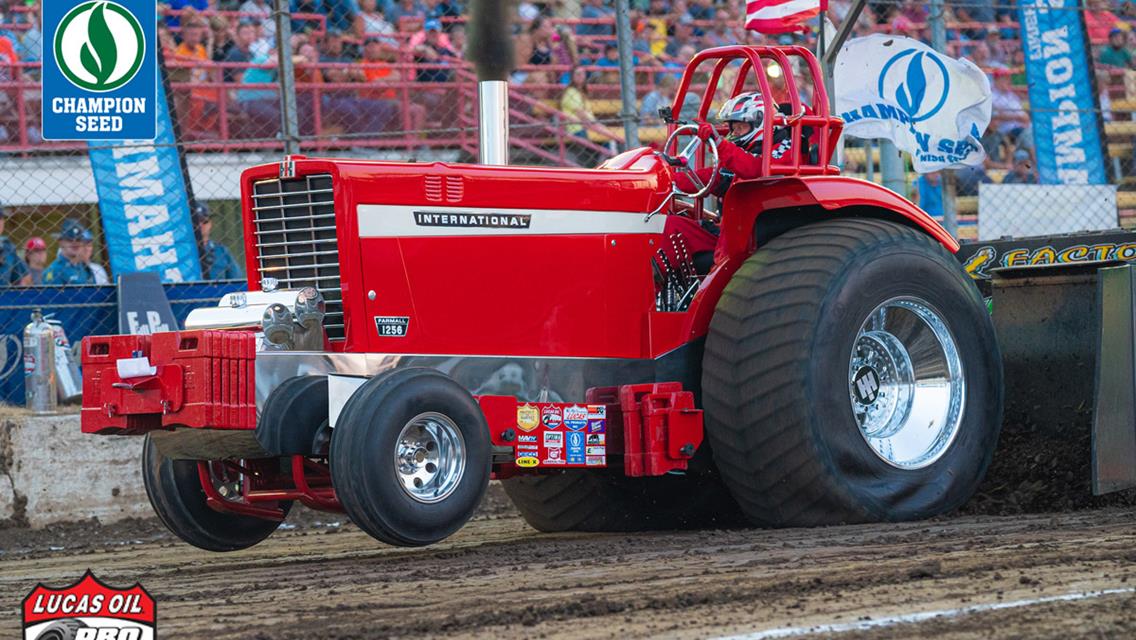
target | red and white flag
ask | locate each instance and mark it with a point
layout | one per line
(781, 16)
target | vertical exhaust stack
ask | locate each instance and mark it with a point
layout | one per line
(493, 121)
(491, 51)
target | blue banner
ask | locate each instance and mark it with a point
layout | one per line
(144, 204)
(100, 69)
(1063, 105)
(83, 311)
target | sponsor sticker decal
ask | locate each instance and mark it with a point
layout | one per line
(90, 610)
(555, 455)
(596, 461)
(597, 411)
(392, 326)
(575, 418)
(595, 438)
(528, 461)
(551, 417)
(553, 439)
(595, 451)
(528, 417)
(527, 447)
(596, 426)
(524, 438)
(575, 441)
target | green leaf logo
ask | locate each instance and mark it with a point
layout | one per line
(99, 46)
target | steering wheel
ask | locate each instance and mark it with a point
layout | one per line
(684, 162)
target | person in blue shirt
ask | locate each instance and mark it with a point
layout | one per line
(71, 266)
(216, 261)
(929, 193)
(13, 271)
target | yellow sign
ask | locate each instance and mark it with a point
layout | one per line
(528, 417)
(527, 461)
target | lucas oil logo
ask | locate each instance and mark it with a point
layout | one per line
(99, 70)
(89, 610)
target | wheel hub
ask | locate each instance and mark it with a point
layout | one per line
(430, 457)
(905, 382)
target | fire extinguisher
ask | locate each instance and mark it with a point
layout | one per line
(39, 365)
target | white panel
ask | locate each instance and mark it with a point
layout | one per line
(1044, 209)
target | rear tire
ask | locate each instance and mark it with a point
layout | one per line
(607, 501)
(175, 492)
(779, 387)
(410, 456)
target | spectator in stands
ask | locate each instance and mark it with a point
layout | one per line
(411, 10)
(1023, 172)
(31, 43)
(370, 21)
(528, 11)
(723, 32)
(71, 265)
(241, 51)
(999, 52)
(535, 49)
(217, 263)
(13, 271)
(701, 10)
(173, 18)
(660, 96)
(261, 106)
(1116, 54)
(381, 103)
(458, 40)
(575, 104)
(223, 41)
(439, 9)
(683, 37)
(973, 11)
(432, 47)
(260, 12)
(967, 179)
(1099, 21)
(593, 10)
(929, 193)
(1009, 119)
(193, 53)
(35, 254)
(9, 58)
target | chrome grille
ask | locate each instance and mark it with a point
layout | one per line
(295, 240)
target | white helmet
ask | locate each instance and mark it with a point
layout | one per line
(744, 107)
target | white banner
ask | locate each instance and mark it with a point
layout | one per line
(932, 106)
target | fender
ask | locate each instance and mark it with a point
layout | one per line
(813, 198)
(747, 200)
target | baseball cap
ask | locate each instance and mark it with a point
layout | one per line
(75, 232)
(35, 243)
(433, 25)
(200, 211)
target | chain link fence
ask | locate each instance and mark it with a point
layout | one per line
(370, 82)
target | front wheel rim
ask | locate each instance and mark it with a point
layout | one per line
(430, 456)
(906, 383)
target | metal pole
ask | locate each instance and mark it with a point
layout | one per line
(289, 120)
(891, 167)
(939, 43)
(627, 74)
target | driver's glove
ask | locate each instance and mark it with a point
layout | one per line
(706, 131)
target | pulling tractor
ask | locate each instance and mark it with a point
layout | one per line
(797, 349)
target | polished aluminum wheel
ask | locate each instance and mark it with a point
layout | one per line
(906, 384)
(430, 459)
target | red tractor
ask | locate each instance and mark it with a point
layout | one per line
(802, 350)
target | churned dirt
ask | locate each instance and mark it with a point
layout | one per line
(319, 577)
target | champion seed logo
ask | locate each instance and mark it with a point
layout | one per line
(99, 46)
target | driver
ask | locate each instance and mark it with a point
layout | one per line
(740, 151)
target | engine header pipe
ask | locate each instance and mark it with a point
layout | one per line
(491, 52)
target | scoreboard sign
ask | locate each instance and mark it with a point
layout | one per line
(100, 70)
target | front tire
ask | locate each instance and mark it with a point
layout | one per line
(851, 374)
(410, 456)
(174, 489)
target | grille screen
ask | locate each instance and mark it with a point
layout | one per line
(295, 240)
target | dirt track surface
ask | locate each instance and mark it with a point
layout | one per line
(499, 578)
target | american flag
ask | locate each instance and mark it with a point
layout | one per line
(781, 16)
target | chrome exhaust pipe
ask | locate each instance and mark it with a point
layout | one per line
(493, 122)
